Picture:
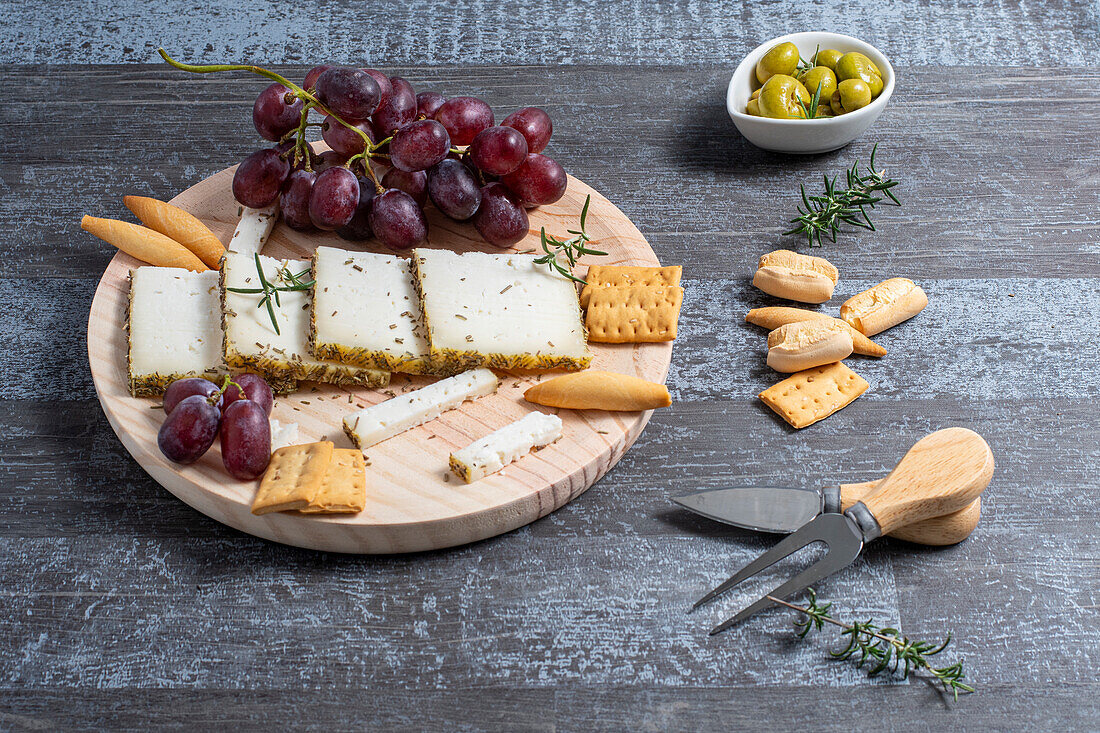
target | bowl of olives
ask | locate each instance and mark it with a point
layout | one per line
(809, 92)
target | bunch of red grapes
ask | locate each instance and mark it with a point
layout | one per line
(499, 174)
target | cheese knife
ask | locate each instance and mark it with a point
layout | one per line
(784, 509)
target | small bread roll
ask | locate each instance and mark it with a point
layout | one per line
(596, 390)
(787, 274)
(776, 316)
(807, 344)
(884, 306)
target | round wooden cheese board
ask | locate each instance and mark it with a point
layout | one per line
(413, 502)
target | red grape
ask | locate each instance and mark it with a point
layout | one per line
(414, 183)
(245, 440)
(534, 124)
(498, 150)
(500, 219)
(333, 199)
(328, 159)
(311, 77)
(419, 145)
(345, 140)
(294, 200)
(398, 111)
(383, 84)
(272, 115)
(259, 177)
(359, 226)
(540, 180)
(454, 189)
(182, 388)
(255, 388)
(187, 433)
(464, 118)
(397, 221)
(427, 103)
(349, 93)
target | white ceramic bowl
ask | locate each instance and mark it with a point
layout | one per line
(805, 136)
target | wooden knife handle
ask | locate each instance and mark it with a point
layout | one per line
(942, 473)
(949, 529)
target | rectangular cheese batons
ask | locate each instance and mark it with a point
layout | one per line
(253, 229)
(251, 341)
(501, 447)
(366, 311)
(372, 425)
(175, 330)
(498, 310)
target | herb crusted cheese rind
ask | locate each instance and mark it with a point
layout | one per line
(366, 312)
(173, 324)
(500, 311)
(250, 338)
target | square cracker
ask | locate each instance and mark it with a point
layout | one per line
(612, 276)
(293, 477)
(811, 395)
(634, 314)
(344, 485)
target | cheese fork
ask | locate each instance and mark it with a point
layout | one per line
(942, 473)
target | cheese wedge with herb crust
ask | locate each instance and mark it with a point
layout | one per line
(376, 423)
(502, 447)
(501, 311)
(251, 340)
(366, 311)
(174, 328)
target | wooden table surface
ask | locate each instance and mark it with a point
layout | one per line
(123, 608)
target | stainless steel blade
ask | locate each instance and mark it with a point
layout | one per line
(765, 509)
(839, 532)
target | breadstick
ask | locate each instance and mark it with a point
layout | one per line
(774, 317)
(595, 390)
(884, 306)
(174, 222)
(143, 244)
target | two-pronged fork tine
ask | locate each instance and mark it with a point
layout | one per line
(843, 538)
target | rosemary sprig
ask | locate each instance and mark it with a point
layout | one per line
(883, 649)
(290, 283)
(804, 65)
(571, 248)
(821, 216)
(810, 113)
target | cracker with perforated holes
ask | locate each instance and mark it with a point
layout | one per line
(634, 314)
(293, 477)
(615, 276)
(811, 395)
(344, 486)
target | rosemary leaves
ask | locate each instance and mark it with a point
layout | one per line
(821, 216)
(882, 649)
(285, 282)
(571, 248)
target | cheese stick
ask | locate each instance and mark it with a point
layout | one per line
(501, 447)
(174, 222)
(143, 244)
(774, 317)
(253, 229)
(596, 390)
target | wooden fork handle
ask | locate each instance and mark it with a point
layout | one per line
(949, 529)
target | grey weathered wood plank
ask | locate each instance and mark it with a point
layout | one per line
(625, 32)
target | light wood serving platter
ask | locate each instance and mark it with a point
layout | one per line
(413, 503)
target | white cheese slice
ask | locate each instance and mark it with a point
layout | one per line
(366, 311)
(253, 229)
(251, 341)
(376, 423)
(501, 447)
(175, 328)
(283, 435)
(499, 310)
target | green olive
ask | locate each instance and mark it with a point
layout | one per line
(781, 59)
(753, 108)
(850, 95)
(857, 66)
(824, 110)
(755, 94)
(780, 95)
(819, 75)
(827, 57)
